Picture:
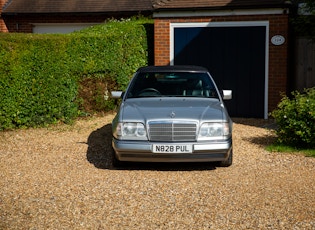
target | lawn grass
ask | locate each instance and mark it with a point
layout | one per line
(285, 148)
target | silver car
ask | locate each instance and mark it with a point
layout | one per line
(172, 114)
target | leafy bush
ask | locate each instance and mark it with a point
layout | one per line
(296, 119)
(113, 50)
(35, 82)
(105, 57)
(94, 95)
(40, 75)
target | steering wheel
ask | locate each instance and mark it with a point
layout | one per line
(149, 92)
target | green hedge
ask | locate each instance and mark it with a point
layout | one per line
(40, 75)
(111, 50)
(35, 81)
(296, 119)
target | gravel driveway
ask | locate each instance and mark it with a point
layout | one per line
(58, 178)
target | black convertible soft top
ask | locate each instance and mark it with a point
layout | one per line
(172, 68)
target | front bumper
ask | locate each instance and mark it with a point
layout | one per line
(140, 151)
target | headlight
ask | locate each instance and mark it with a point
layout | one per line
(214, 131)
(130, 131)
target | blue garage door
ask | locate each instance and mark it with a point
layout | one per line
(235, 57)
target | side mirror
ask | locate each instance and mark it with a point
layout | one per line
(117, 94)
(227, 94)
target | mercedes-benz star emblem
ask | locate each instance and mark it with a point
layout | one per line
(172, 114)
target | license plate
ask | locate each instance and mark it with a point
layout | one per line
(172, 148)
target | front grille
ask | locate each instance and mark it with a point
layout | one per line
(172, 131)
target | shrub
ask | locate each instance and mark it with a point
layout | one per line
(296, 119)
(105, 57)
(35, 82)
(40, 75)
(113, 50)
(94, 95)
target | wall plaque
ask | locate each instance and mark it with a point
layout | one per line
(277, 40)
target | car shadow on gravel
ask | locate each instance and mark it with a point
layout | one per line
(262, 141)
(167, 166)
(256, 122)
(100, 154)
(99, 150)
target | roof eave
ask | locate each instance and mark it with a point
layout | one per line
(227, 7)
(77, 12)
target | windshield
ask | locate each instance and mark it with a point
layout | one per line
(172, 85)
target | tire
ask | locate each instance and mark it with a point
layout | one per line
(116, 164)
(114, 161)
(228, 162)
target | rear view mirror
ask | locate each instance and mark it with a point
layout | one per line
(227, 94)
(117, 94)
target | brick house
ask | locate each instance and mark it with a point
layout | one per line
(244, 44)
(62, 16)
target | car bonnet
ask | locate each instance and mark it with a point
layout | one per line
(148, 109)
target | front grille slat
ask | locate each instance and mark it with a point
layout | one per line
(172, 131)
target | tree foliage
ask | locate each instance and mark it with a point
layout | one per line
(304, 20)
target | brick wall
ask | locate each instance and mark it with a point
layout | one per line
(3, 27)
(23, 23)
(278, 55)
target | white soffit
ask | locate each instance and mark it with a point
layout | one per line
(205, 13)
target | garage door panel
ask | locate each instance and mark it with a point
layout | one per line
(235, 57)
